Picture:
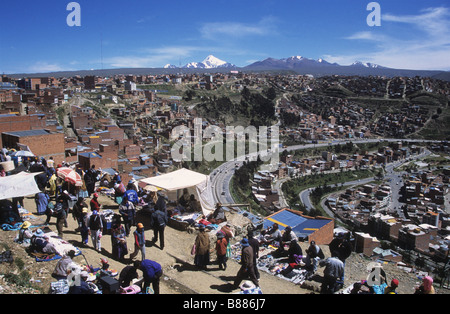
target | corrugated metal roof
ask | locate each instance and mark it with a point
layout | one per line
(301, 226)
(27, 133)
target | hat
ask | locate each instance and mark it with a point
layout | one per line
(39, 233)
(26, 225)
(94, 212)
(220, 235)
(95, 195)
(394, 283)
(247, 285)
(84, 210)
(244, 242)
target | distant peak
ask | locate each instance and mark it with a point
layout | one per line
(210, 62)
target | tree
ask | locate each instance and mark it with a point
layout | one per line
(271, 94)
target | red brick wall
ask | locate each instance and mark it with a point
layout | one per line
(324, 235)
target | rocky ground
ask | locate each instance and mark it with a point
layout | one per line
(26, 276)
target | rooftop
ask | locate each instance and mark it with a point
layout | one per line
(27, 133)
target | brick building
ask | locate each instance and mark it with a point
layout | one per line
(41, 142)
(365, 243)
(385, 227)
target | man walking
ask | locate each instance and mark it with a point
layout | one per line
(159, 222)
(247, 267)
(95, 229)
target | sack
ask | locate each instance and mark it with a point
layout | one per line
(228, 250)
(193, 250)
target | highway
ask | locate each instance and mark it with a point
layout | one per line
(221, 176)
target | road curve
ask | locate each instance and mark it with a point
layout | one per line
(222, 175)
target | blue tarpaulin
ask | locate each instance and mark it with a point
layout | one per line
(301, 225)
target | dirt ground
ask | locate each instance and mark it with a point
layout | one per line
(180, 274)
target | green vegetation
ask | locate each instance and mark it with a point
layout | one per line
(240, 186)
(321, 182)
(253, 109)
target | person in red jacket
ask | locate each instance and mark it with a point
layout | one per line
(95, 205)
(221, 250)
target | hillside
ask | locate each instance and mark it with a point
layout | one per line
(26, 276)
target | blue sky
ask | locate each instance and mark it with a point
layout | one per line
(34, 35)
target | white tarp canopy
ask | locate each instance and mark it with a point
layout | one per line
(18, 185)
(186, 179)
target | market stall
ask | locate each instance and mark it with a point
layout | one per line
(175, 182)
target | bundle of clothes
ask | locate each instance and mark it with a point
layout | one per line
(273, 260)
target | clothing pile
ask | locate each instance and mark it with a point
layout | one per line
(276, 267)
(107, 191)
(12, 225)
(62, 247)
(108, 216)
(190, 218)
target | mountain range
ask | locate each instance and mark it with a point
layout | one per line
(210, 62)
(294, 64)
(303, 65)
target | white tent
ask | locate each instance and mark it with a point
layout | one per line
(184, 178)
(18, 185)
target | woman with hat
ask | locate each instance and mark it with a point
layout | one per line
(84, 230)
(247, 267)
(25, 234)
(221, 250)
(77, 210)
(118, 242)
(202, 243)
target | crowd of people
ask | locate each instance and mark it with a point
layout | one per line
(56, 196)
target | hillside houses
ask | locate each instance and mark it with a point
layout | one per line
(424, 227)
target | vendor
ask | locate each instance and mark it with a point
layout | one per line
(62, 267)
(40, 243)
(183, 201)
(272, 233)
(25, 234)
(218, 216)
(194, 205)
(288, 237)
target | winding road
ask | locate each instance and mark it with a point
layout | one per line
(222, 175)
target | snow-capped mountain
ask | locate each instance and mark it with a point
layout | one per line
(290, 63)
(210, 62)
(366, 65)
(170, 66)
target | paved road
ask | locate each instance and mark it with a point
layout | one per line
(221, 176)
(393, 178)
